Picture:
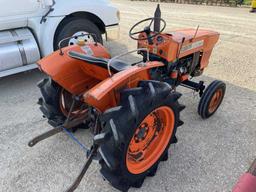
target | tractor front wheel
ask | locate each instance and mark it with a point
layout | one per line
(211, 99)
(140, 131)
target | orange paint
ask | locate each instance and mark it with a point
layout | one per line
(105, 94)
(215, 101)
(143, 152)
(74, 75)
(174, 74)
(183, 77)
(102, 92)
(65, 103)
(79, 77)
(172, 42)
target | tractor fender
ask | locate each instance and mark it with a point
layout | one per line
(105, 94)
(70, 73)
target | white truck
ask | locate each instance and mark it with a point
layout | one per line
(31, 29)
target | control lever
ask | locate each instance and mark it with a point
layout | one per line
(149, 38)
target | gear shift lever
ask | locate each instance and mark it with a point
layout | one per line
(148, 31)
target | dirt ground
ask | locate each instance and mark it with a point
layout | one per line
(210, 154)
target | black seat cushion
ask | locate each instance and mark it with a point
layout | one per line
(116, 65)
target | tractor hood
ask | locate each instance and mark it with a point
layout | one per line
(189, 34)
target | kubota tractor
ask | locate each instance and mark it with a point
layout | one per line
(132, 110)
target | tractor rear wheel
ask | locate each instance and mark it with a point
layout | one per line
(211, 99)
(56, 102)
(140, 131)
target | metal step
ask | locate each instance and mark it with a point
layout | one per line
(18, 70)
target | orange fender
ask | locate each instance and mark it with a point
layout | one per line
(74, 75)
(106, 93)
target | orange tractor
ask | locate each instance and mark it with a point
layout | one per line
(132, 110)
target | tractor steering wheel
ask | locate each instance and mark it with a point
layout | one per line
(147, 29)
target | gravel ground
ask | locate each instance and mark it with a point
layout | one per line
(209, 156)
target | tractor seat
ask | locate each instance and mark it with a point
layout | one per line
(116, 65)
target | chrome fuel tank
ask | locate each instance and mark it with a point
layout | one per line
(18, 48)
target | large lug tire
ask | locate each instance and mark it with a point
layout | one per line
(51, 103)
(124, 125)
(73, 25)
(211, 99)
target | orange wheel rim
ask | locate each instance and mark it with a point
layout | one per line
(215, 101)
(150, 140)
(66, 102)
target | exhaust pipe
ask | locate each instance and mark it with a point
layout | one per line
(157, 21)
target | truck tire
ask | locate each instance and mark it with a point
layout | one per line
(56, 102)
(140, 131)
(73, 25)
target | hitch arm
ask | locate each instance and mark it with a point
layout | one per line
(44, 136)
(78, 180)
(67, 125)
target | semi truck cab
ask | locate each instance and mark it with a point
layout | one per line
(32, 29)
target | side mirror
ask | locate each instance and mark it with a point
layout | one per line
(49, 3)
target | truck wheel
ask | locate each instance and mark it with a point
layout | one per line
(73, 26)
(140, 132)
(211, 99)
(56, 102)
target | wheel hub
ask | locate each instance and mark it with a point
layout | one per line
(65, 102)
(85, 38)
(215, 101)
(142, 133)
(150, 140)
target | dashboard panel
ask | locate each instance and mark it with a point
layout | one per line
(161, 45)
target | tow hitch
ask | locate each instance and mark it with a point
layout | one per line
(70, 123)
